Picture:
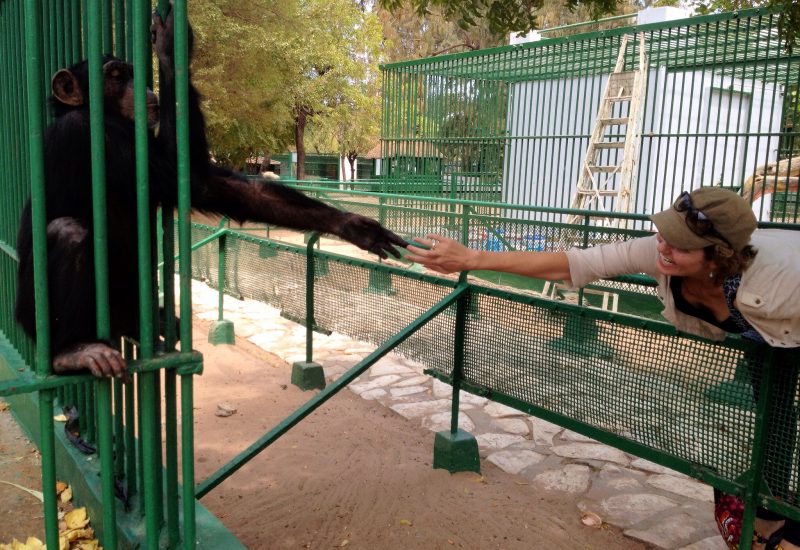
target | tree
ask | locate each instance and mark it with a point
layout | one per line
(410, 35)
(506, 16)
(333, 58)
(242, 70)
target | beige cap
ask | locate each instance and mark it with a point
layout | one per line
(731, 218)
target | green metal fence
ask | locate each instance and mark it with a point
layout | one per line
(723, 413)
(150, 509)
(721, 100)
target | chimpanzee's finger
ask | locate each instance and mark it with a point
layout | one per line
(88, 362)
(116, 362)
(105, 364)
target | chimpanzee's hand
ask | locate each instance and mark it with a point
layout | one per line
(368, 234)
(162, 37)
(98, 358)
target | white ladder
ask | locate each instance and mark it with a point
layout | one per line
(612, 187)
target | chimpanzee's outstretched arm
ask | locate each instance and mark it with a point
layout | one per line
(224, 192)
(229, 193)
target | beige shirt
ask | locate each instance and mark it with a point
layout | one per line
(768, 296)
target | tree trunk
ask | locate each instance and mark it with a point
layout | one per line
(300, 120)
(265, 165)
(351, 157)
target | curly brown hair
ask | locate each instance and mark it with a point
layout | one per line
(729, 262)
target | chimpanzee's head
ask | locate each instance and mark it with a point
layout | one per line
(71, 90)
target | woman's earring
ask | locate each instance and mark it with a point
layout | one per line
(711, 274)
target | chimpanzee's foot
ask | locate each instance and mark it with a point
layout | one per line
(98, 358)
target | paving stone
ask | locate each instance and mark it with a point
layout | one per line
(569, 435)
(442, 390)
(497, 441)
(514, 461)
(498, 410)
(422, 408)
(381, 382)
(672, 531)
(682, 486)
(543, 431)
(708, 543)
(572, 478)
(334, 371)
(516, 426)
(370, 395)
(629, 509)
(619, 479)
(359, 350)
(440, 422)
(591, 451)
(647, 466)
(410, 390)
(413, 381)
(389, 368)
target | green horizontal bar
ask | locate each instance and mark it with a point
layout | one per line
(689, 21)
(610, 438)
(267, 439)
(184, 363)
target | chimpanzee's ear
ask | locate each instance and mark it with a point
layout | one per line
(66, 88)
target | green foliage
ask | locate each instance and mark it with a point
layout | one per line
(500, 16)
(505, 16)
(241, 69)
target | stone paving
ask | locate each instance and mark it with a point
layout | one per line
(648, 502)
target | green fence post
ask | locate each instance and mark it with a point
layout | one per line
(580, 333)
(308, 375)
(221, 331)
(457, 450)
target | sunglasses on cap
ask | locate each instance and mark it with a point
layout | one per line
(696, 220)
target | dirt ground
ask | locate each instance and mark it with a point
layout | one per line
(353, 474)
(356, 474)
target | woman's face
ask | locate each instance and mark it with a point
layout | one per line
(679, 262)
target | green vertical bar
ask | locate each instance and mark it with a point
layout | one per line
(760, 444)
(100, 242)
(184, 235)
(106, 26)
(147, 398)
(458, 349)
(310, 322)
(33, 39)
(221, 245)
(75, 36)
(130, 427)
(119, 430)
(120, 44)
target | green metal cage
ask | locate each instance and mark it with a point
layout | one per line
(512, 124)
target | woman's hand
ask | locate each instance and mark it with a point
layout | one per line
(442, 254)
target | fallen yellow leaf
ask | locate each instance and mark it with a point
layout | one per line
(76, 519)
(405, 522)
(60, 418)
(66, 495)
(60, 486)
(79, 534)
(345, 542)
(93, 544)
(3, 406)
(31, 544)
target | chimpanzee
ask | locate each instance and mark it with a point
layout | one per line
(69, 205)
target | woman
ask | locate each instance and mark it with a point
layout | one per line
(715, 274)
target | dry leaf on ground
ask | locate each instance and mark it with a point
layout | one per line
(37, 494)
(592, 520)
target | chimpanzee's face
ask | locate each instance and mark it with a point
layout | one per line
(70, 89)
